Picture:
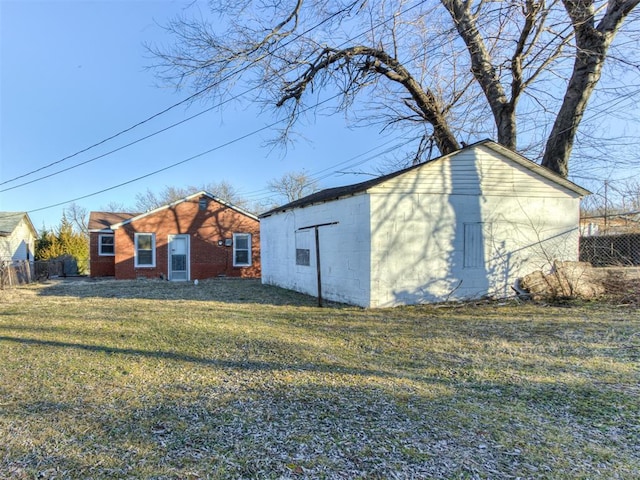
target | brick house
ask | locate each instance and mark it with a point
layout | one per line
(197, 237)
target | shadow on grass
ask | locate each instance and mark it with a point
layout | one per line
(225, 290)
(331, 430)
(245, 365)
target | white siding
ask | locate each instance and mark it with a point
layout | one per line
(344, 249)
(418, 229)
(19, 245)
(403, 241)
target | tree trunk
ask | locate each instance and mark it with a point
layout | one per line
(484, 71)
(592, 44)
(586, 73)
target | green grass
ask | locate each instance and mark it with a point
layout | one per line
(233, 379)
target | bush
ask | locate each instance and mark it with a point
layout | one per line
(64, 242)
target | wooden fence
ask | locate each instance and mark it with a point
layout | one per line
(22, 272)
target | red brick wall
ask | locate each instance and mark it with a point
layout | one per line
(205, 228)
(99, 266)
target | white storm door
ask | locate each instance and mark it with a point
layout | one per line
(178, 257)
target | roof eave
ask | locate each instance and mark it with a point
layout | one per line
(496, 147)
(536, 168)
(115, 226)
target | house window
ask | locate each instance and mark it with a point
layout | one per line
(303, 248)
(145, 250)
(202, 204)
(106, 245)
(241, 249)
(473, 245)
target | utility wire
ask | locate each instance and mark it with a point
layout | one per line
(315, 177)
(121, 147)
(222, 145)
(182, 102)
(201, 154)
(122, 132)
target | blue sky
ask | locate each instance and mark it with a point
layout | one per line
(75, 72)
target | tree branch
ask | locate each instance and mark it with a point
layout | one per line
(592, 44)
(374, 60)
(484, 71)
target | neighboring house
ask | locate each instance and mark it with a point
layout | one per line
(17, 237)
(610, 224)
(463, 226)
(197, 237)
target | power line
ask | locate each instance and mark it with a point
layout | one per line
(201, 154)
(122, 132)
(220, 146)
(200, 92)
(121, 147)
(188, 99)
(317, 177)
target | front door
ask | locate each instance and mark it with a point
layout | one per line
(178, 257)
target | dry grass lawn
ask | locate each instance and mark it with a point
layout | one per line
(233, 379)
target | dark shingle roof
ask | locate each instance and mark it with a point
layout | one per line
(104, 220)
(347, 190)
(10, 220)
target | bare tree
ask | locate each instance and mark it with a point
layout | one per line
(78, 217)
(292, 186)
(116, 207)
(452, 71)
(150, 200)
(224, 190)
(613, 197)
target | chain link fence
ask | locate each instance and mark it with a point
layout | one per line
(611, 250)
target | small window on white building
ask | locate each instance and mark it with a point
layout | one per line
(303, 248)
(473, 245)
(106, 246)
(145, 250)
(241, 249)
(303, 257)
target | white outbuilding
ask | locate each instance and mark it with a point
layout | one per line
(463, 226)
(17, 237)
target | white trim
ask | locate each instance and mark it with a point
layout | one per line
(185, 199)
(170, 239)
(153, 250)
(100, 254)
(337, 193)
(533, 166)
(250, 252)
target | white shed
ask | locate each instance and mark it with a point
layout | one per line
(465, 225)
(17, 237)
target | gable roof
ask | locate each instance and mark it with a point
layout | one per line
(348, 190)
(202, 193)
(102, 221)
(10, 220)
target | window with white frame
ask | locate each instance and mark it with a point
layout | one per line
(241, 249)
(145, 250)
(106, 245)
